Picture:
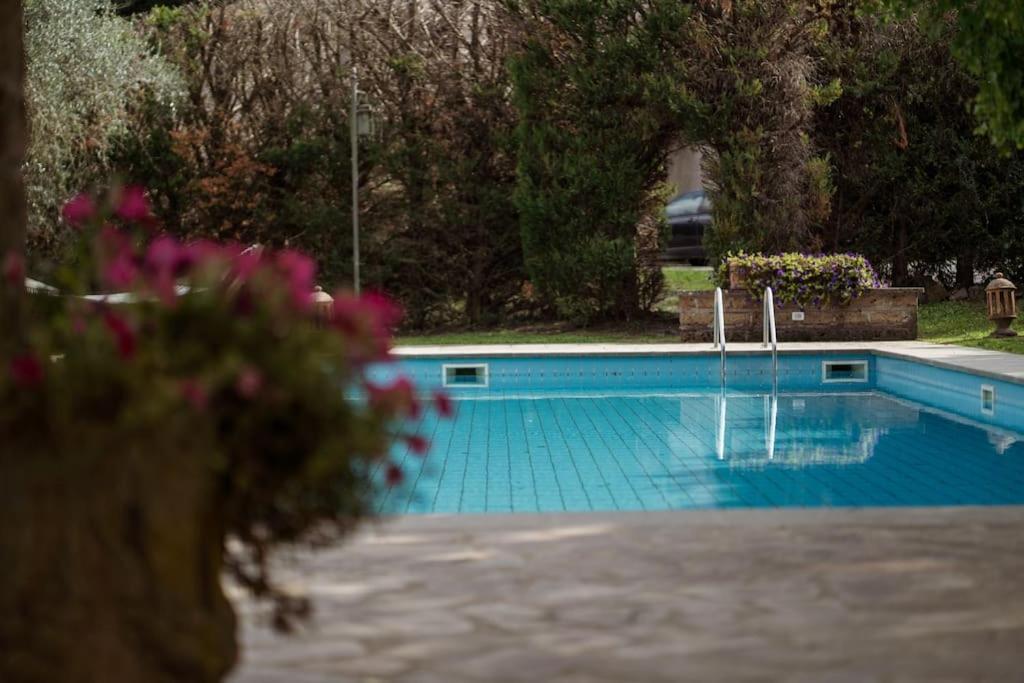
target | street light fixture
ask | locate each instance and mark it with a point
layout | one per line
(366, 123)
(362, 124)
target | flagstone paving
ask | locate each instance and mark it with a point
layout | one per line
(926, 594)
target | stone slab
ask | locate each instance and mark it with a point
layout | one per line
(918, 594)
(879, 314)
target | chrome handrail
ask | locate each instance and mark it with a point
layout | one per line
(719, 325)
(722, 406)
(771, 420)
(770, 336)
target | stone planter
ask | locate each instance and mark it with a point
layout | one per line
(114, 557)
(880, 314)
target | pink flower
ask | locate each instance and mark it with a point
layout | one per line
(26, 370)
(14, 269)
(393, 475)
(162, 259)
(245, 265)
(383, 309)
(194, 393)
(365, 341)
(367, 321)
(199, 253)
(443, 404)
(372, 312)
(121, 271)
(245, 261)
(134, 207)
(417, 444)
(347, 313)
(397, 398)
(120, 267)
(249, 383)
(79, 210)
(162, 253)
(124, 337)
(299, 272)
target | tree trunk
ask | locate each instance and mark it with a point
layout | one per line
(112, 550)
(900, 267)
(965, 271)
(13, 141)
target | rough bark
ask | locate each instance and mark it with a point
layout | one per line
(113, 554)
(900, 264)
(965, 270)
(13, 140)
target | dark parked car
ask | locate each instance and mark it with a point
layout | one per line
(689, 215)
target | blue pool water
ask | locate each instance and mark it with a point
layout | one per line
(626, 441)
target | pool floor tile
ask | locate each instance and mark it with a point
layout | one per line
(658, 452)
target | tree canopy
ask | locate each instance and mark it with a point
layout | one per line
(989, 42)
(130, 7)
(87, 68)
(522, 164)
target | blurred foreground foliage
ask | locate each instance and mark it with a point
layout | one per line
(177, 430)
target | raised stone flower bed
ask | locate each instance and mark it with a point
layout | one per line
(884, 314)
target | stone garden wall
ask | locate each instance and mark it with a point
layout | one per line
(881, 314)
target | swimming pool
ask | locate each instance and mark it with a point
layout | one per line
(656, 432)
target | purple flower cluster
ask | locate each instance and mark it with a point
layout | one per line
(803, 279)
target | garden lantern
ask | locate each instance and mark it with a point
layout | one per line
(1002, 305)
(366, 122)
(323, 306)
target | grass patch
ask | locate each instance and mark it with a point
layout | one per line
(655, 329)
(963, 323)
(682, 279)
(950, 322)
(528, 337)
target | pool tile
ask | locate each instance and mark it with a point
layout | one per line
(553, 452)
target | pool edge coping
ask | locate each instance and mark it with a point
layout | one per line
(917, 515)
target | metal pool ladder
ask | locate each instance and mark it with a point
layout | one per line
(719, 325)
(770, 337)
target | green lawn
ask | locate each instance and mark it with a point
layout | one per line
(951, 322)
(683, 279)
(964, 323)
(532, 336)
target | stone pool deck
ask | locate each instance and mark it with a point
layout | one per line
(912, 594)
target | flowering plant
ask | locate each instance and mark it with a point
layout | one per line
(212, 381)
(802, 279)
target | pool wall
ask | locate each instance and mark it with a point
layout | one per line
(955, 391)
(674, 373)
